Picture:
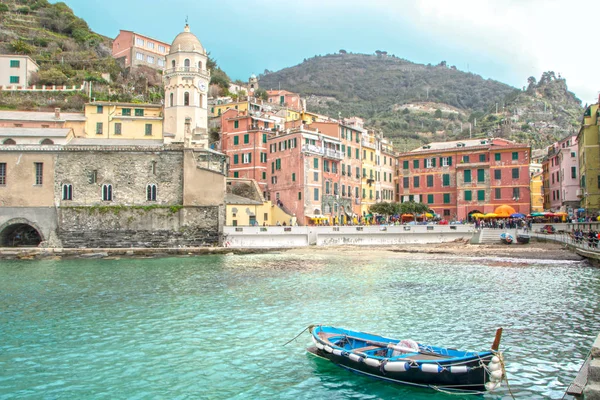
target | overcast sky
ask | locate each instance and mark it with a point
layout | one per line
(505, 40)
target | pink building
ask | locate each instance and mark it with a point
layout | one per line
(285, 99)
(135, 49)
(561, 175)
(244, 140)
(457, 179)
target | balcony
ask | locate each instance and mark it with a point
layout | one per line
(366, 143)
(186, 70)
(329, 153)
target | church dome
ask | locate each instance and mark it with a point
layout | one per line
(186, 41)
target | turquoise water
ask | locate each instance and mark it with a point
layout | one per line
(214, 327)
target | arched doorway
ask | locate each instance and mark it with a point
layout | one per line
(20, 235)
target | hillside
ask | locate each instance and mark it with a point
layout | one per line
(69, 53)
(414, 103)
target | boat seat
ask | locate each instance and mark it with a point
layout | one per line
(363, 349)
(421, 357)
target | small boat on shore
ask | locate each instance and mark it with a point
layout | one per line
(408, 362)
(523, 238)
(506, 238)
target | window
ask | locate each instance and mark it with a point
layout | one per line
(498, 157)
(117, 128)
(415, 163)
(299, 195)
(416, 181)
(405, 164)
(98, 128)
(160, 62)
(467, 175)
(150, 59)
(429, 199)
(498, 193)
(127, 111)
(14, 79)
(481, 195)
(199, 65)
(15, 64)
(2, 173)
(480, 175)
(465, 159)
(47, 141)
(468, 195)
(39, 173)
(574, 172)
(278, 164)
(498, 174)
(139, 41)
(357, 172)
(316, 176)
(446, 180)
(316, 163)
(264, 175)
(357, 156)
(173, 63)
(263, 157)
(236, 158)
(515, 173)
(151, 192)
(482, 158)
(246, 158)
(515, 155)
(139, 112)
(186, 64)
(265, 138)
(139, 56)
(99, 109)
(236, 140)
(446, 198)
(246, 138)
(316, 194)
(186, 99)
(148, 129)
(150, 45)
(162, 48)
(293, 177)
(405, 182)
(446, 161)
(573, 154)
(517, 194)
(356, 192)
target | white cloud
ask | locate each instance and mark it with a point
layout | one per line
(528, 37)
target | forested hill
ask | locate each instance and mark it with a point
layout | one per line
(415, 103)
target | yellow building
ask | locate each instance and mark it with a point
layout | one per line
(123, 120)
(217, 109)
(369, 171)
(537, 197)
(245, 206)
(589, 159)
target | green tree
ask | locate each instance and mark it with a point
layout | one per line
(20, 47)
(438, 113)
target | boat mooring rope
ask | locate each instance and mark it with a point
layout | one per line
(304, 330)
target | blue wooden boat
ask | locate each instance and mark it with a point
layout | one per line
(409, 362)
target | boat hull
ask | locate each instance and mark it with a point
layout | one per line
(473, 380)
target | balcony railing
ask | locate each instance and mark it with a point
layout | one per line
(331, 153)
(186, 69)
(369, 144)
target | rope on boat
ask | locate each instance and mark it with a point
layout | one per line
(304, 330)
(504, 374)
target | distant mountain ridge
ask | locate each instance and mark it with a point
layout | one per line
(387, 91)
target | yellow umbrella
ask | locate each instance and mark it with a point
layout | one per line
(477, 215)
(429, 215)
(490, 215)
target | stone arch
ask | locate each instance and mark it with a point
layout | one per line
(9, 141)
(20, 232)
(47, 141)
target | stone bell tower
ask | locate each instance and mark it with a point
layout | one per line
(186, 81)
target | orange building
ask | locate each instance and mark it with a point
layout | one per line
(285, 99)
(135, 49)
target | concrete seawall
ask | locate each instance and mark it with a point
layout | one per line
(299, 236)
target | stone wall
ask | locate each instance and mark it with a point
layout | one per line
(129, 173)
(139, 226)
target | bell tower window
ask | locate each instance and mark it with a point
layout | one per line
(186, 99)
(199, 65)
(173, 64)
(171, 100)
(186, 64)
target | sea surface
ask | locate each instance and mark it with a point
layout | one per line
(214, 327)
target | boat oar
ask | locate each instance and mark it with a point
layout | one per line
(496, 344)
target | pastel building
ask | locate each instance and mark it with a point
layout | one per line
(110, 120)
(537, 195)
(16, 70)
(560, 176)
(244, 140)
(459, 178)
(589, 160)
(285, 99)
(134, 49)
(44, 119)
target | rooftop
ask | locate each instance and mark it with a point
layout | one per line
(43, 116)
(115, 142)
(35, 132)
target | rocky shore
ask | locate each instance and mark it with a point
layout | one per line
(534, 250)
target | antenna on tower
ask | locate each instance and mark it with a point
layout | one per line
(186, 19)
